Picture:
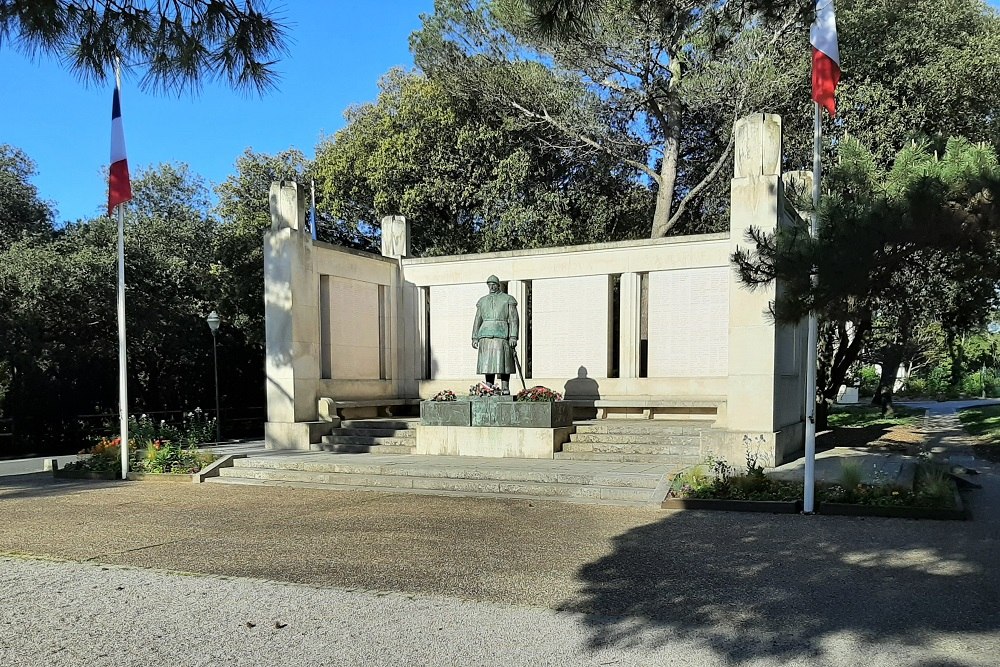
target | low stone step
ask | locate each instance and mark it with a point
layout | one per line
(337, 439)
(643, 427)
(382, 423)
(649, 499)
(632, 448)
(368, 449)
(483, 486)
(378, 432)
(339, 466)
(637, 439)
(680, 460)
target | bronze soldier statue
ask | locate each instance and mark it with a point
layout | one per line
(494, 334)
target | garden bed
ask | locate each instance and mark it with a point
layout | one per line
(717, 486)
(162, 477)
(87, 474)
(766, 506)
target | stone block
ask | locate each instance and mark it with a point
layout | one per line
(486, 411)
(491, 441)
(526, 414)
(446, 413)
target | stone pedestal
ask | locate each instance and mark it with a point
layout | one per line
(490, 441)
(446, 413)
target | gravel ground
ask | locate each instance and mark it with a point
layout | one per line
(62, 614)
(365, 578)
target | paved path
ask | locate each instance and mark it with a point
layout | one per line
(380, 579)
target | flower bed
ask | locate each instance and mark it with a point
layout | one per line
(716, 485)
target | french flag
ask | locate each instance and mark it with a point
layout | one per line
(119, 185)
(826, 56)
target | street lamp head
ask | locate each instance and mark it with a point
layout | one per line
(213, 320)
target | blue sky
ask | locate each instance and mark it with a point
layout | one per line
(337, 53)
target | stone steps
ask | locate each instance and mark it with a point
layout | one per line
(637, 439)
(337, 439)
(663, 428)
(338, 448)
(674, 442)
(632, 448)
(372, 436)
(539, 479)
(679, 460)
(409, 433)
(387, 423)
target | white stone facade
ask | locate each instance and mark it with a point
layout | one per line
(352, 326)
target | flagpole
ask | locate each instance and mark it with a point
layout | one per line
(809, 480)
(122, 359)
(312, 209)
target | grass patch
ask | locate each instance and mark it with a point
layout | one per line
(984, 423)
(858, 416)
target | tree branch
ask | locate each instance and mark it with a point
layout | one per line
(584, 139)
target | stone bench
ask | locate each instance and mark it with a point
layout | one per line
(334, 410)
(713, 409)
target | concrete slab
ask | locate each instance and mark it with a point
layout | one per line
(877, 469)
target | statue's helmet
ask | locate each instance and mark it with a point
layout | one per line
(493, 280)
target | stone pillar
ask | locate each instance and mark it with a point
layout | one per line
(291, 315)
(630, 295)
(287, 201)
(519, 290)
(395, 236)
(756, 195)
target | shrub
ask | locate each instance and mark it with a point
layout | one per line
(868, 379)
(167, 457)
(106, 455)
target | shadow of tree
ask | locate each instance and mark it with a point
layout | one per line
(749, 585)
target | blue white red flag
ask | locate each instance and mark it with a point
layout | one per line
(119, 184)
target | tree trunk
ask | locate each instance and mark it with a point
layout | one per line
(668, 170)
(661, 216)
(887, 380)
(838, 351)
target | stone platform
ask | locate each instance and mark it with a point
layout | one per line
(593, 482)
(491, 441)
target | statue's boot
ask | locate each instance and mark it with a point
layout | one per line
(504, 387)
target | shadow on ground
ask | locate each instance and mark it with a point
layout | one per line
(757, 585)
(38, 485)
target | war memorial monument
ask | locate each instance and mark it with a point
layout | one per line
(652, 331)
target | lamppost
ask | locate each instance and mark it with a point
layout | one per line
(214, 320)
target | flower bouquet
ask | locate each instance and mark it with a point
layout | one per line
(445, 395)
(482, 389)
(538, 394)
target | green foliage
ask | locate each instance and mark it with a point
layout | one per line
(717, 479)
(932, 488)
(859, 416)
(163, 456)
(104, 456)
(469, 178)
(850, 477)
(867, 379)
(655, 87)
(175, 45)
(238, 264)
(22, 212)
(910, 245)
